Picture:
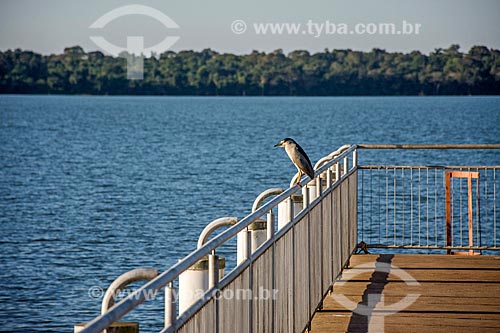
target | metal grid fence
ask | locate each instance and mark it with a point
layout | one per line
(405, 207)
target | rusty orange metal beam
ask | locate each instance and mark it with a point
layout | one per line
(460, 174)
(464, 174)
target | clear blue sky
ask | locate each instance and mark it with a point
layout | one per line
(49, 26)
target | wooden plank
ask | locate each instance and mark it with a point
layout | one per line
(457, 294)
(425, 304)
(344, 220)
(327, 240)
(433, 261)
(315, 248)
(234, 312)
(301, 275)
(441, 289)
(337, 226)
(262, 303)
(283, 283)
(353, 210)
(447, 275)
(414, 322)
(202, 321)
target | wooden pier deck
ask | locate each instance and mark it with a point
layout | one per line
(456, 294)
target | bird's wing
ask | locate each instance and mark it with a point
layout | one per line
(305, 163)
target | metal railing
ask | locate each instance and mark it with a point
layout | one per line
(300, 261)
(393, 206)
(407, 207)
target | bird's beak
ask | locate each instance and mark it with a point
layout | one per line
(279, 144)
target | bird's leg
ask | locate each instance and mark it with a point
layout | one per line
(298, 177)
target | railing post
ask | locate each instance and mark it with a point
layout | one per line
(333, 218)
(270, 235)
(308, 270)
(347, 182)
(213, 281)
(346, 165)
(355, 158)
(341, 224)
(170, 305)
(213, 270)
(270, 224)
(249, 244)
(245, 244)
(292, 215)
(318, 186)
(328, 178)
(337, 171)
(305, 203)
(250, 282)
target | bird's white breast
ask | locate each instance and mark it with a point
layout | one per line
(292, 152)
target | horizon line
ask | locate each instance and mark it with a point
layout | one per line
(259, 51)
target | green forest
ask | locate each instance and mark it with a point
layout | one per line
(329, 73)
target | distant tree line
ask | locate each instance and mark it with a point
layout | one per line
(336, 72)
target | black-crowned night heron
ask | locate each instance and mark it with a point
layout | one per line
(298, 157)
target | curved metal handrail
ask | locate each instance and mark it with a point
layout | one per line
(123, 280)
(264, 195)
(214, 225)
